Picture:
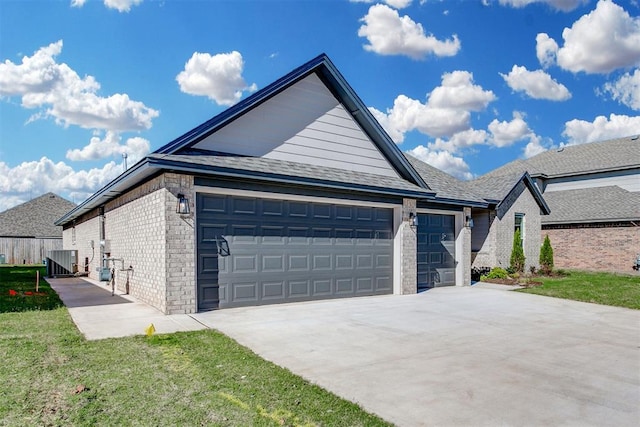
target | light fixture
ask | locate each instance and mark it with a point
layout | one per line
(413, 220)
(468, 221)
(182, 207)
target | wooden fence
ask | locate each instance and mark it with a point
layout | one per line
(22, 250)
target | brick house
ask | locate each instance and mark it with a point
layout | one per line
(593, 192)
(28, 232)
(295, 193)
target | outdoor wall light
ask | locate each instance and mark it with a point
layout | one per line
(413, 220)
(468, 222)
(182, 207)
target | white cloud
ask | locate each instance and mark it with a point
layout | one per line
(218, 77)
(135, 148)
(546, 50)
(396, 134)
(28, 179)
(444, 161)
(445, 113)
(602, 128)
(534, 147)
(563, 5)
(506, 133)
(120, 5)
(398, 4)
(458, 92)
(71, 100)
(390, 34)
(626, 90)
(601, 41)
(461, 140)
(500, 134)
(536, 84)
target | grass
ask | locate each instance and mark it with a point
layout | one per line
(600, 288)
(18, 290)
(52, 376)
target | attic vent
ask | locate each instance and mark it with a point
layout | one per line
(560, 150)
(633, 138)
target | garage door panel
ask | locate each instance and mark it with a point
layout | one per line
(384, 284)
(344, 286)
(281, 251)
(322, 262)
(244, 291)
(273, 263)
(273, 290)
(322, 288)
(436, 250)
(299, 289)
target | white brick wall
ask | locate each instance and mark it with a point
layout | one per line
(496, 249)
(145, 231)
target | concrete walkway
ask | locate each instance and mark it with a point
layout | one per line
(99, 315)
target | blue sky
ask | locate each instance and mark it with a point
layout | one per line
(465, 85)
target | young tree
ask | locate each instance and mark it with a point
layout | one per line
(546, 256)
(517, 253)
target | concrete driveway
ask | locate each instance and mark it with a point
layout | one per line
(457, 356)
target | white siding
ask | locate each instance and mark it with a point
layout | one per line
(303, 124)
(628, 180)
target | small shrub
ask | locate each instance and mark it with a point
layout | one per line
(546, 256)
(478, 272)
(495, 273)
(532, 270)
(517, 253)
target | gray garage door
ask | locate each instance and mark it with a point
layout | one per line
(436, 251)
(261, 251)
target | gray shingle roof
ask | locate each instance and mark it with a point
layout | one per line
(613, 154)
(599, 204)
(496, 186)
(270, 168)
(35, 218)
(445, 185)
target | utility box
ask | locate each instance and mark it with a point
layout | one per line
(105, 274)
(62, 263)
(3, 259)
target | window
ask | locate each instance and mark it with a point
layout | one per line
(519, 225)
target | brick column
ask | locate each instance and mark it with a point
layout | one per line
(465, 257)
(409, 283)
(180, 255)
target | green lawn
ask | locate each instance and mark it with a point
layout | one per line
(599, 288)
(52, 376)
(18, 289)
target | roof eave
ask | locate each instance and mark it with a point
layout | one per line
(590, 221)
(200, 169)
(537, 195)
(113, 189)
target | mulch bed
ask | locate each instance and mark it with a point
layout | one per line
(527, 283)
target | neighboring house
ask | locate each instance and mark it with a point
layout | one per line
(295, 193)
(28, 232)
(593, 192)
